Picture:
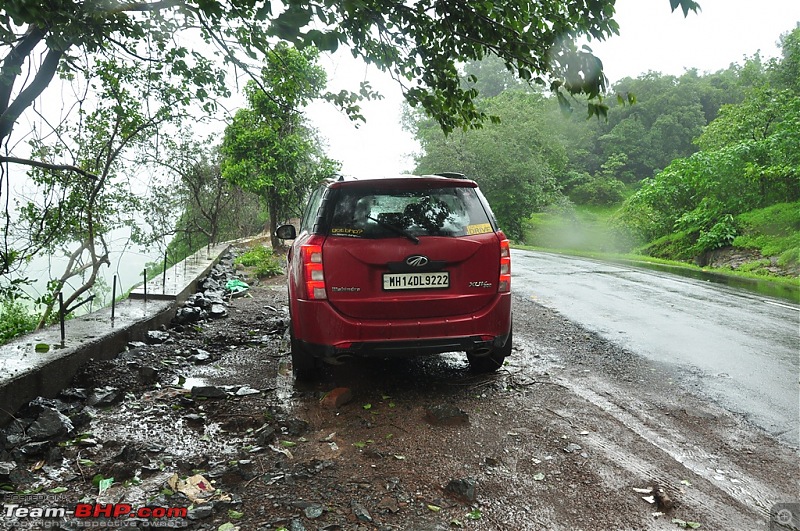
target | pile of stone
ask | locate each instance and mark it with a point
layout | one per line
(214, 291)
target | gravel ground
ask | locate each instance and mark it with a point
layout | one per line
(571, 434)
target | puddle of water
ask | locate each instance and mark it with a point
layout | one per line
(188, 383)
(761, 287)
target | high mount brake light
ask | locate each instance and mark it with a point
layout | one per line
(313, 274)
(504, 283)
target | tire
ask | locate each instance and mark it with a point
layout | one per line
(492, 361)
(304, 365)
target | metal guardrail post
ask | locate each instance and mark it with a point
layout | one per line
(61, 315)
(113, 296)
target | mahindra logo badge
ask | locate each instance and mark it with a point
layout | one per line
(417, 260)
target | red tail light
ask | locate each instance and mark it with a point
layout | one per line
(504, 283)
(313, 274)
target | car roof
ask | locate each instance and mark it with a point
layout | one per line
(443, 180)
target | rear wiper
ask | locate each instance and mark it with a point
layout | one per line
(395, 229)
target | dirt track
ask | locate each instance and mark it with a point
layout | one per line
(557, 439)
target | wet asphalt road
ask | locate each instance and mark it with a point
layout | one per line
(743, 348)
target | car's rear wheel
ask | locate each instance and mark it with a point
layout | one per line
(492, 361)
(304, 365)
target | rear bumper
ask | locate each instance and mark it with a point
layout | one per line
(326, 333)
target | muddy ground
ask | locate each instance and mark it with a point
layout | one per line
(559, 438)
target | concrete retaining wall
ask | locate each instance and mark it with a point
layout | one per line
(27, 372)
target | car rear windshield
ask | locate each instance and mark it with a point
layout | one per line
(450, 211)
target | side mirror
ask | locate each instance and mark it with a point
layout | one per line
(286, 232)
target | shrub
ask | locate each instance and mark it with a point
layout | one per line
(263, 260)
(599, 191)
(15, 320)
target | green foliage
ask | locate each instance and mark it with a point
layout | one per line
(599, 191)
(515, 162)
(264, 261)
(16, 319)
(773, 231)
(268, 149)
(749, 161)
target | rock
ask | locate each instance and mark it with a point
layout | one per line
(133, 345)
(208, 391)
(194, 419)
(266, 435)
(197, 300)
(294, 427)
(50, 423)
(188, 315)
(6, 467)
(200, 356)
(121, 471)
(31, 449)
(446, 415)
(247, 391)
(464, 488)
(296, 525)
(663, 501)
(336, 398)
(215, 296)
(55, 456)
(156, 337)
(199, 512)
(128, 453)
(389, 504)
(104, 396)
(218, 311)
(146, 375)
(74, 393)
(572, 448)
(360, 512)
(81, 419)
(313, 511)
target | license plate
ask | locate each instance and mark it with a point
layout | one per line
(416, 280)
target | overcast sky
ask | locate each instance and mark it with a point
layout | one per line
(651, 38)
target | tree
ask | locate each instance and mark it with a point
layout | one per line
(78, 205)
(211, 209)
(268, 149)
(515, 161)
(419, 43)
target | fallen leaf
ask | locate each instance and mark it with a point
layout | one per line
(538, 477)
(104, 485)
(434, 508)
(367, 406)
(643, 491)
(57, 490)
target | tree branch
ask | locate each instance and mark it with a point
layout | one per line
(48, 166)
(25, 98)
(14, 60)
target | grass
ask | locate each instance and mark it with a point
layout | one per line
(263, 260)
(589, 231)
(773, 231)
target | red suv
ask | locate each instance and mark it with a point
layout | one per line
(399, 266)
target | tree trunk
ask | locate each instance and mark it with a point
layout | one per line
(272, 208)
